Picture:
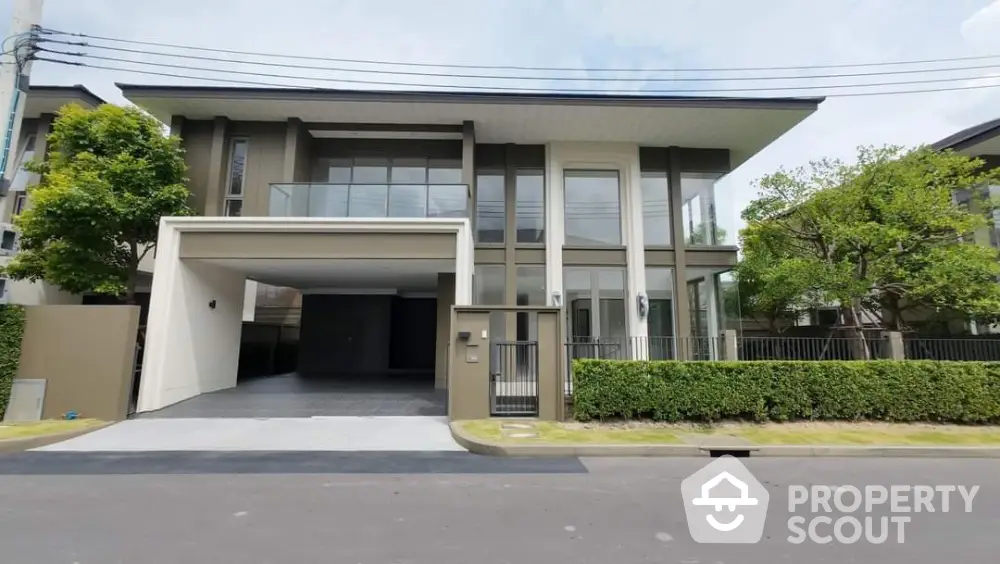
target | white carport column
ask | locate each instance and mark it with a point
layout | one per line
(194, 323)
(555, 230)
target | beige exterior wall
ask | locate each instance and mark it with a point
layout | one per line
(87, 371)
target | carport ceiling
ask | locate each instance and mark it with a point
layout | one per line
(304, 274)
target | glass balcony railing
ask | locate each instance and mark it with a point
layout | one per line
(369, 200)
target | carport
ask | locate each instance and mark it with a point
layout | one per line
(347, 269)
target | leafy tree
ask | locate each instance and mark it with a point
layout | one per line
(111, 174)
(881, 235)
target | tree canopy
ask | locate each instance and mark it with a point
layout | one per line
(110, 175)
(889, 233)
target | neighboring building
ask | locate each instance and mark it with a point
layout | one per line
(981, 141)
(41, 105)
(581, 201)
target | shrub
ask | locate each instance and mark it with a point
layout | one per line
(886, 390)
(11, 329)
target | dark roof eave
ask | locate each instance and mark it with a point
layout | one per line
(969, 137)
(222, 92)
(76, 91)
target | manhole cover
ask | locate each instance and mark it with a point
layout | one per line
(516, 426)
(523, 435)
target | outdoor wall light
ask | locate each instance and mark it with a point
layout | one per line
(557, 299)
(642, 304)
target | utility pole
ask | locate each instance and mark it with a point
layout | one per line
(15, 75)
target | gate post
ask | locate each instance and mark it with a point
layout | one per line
(551, 396)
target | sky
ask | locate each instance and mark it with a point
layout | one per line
(640, 34)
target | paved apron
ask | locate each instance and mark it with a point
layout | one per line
(346, 433)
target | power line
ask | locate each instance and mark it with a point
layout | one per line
(498, 88)
(501, 77)
(48, 31)
(296, 86)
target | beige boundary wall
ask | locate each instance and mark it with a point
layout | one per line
(85, 354)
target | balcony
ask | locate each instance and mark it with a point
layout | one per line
(369, 200)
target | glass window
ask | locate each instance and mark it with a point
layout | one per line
(596, 314)
(367, 200)
(19, 183)
(705, 303)
(655, 209)
(444, 171)
(489, 289)
(707, 221)
(20, 203)
(409, 171)
(592, 207)
(370, 171)
(237, 167)
(529, 205)
(234, 208)
(660, 318)
(451, 200)
(530, 292)
(490, 215)
(338, 171)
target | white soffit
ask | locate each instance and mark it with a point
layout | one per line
(744, 127)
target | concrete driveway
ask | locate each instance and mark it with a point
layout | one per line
(290, 395)
(356, 434)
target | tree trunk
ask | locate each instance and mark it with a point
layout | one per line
(858, 342)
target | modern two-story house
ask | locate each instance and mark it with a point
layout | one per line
(367, 215)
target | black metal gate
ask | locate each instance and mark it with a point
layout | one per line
(514, 378)
(140, 345)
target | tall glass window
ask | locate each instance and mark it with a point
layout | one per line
(488, 289)
(529, 205)
(592, 207)
(595, 309)
(491, 218)
(19, 183)
(655, 209)
(660, 318)
(530, 292)
(707, 220)
(706, 296)
(233, 205)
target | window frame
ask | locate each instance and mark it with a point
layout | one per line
(501, 173)
(569, 168)
(230, 199)
(20, 203)
(530, 172)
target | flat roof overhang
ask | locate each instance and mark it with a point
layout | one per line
(50, 99)
(980, 139)
(742, 125)
(320, 253)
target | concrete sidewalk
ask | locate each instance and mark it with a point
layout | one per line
(427, 434)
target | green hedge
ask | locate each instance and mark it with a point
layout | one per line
(11, 329)
(885, 390)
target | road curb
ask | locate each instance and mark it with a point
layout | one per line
(479, 446)
(878, 451)
(28, 443)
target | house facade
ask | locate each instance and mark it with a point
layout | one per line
(355, 220)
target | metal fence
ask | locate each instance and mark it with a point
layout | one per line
(514, 378)
(961, 348)
(811, 348)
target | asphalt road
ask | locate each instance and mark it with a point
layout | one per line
(603, 511)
